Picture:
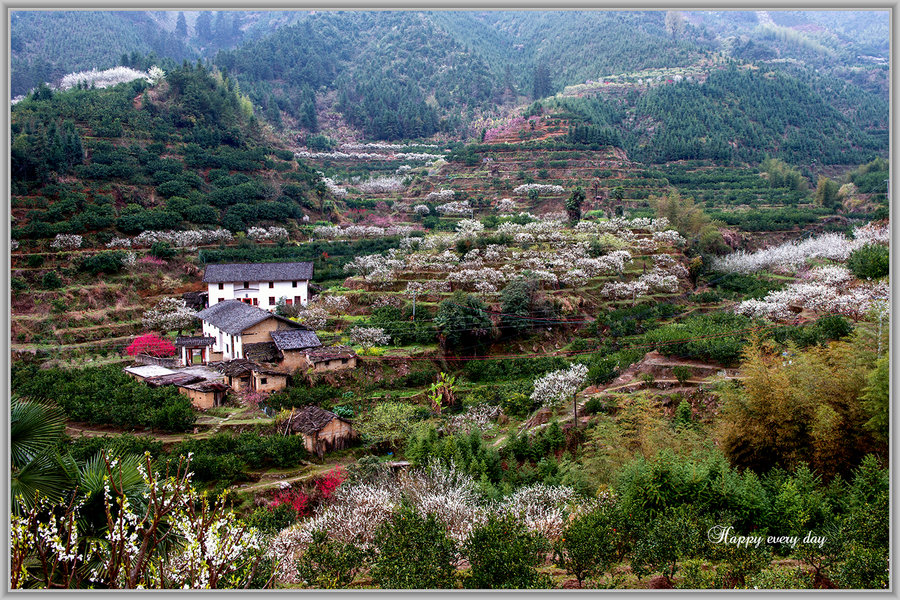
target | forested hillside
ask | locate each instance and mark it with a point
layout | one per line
(46, 45)
(141, 156)
(396, 74)
(743, 114)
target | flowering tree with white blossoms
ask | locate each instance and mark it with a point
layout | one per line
(313, 317)
(556, 387)
(107, 78)
(539, 189)
(369, 337)
(170, 314)
(506, 205)
(438, 488)
(468, 229)
(174, 538)
(64, 241)
(440, 196)
(118, 242)
(454, 209)
(272, 233)
(382, 185)
(421, 210)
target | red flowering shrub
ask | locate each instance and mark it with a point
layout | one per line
(296, 499)
(330, 481)
(151, 344)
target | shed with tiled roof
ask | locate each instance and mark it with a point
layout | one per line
(322, 430)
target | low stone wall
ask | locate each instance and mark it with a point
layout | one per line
(146, 359)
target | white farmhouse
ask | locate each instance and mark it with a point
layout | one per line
(235, 327)
(259, 284)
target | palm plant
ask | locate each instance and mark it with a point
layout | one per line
(36, 465)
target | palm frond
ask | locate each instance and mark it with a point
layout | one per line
(44, 475)
(34, 427)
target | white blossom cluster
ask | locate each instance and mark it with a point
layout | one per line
(382, 146)
(332, 187)
(440, 196)
(793, 255)
(169, 314)
(375, 268)
(445, 261)
(542, 508)
(13, 245)
(437, 286)
(337, 155)
(313, 317)
(454, 209)
(183, 239)
(829, 275)
(382, 185)
(872, 233)
(271, 233)
(214, 546)
(118, 242)
(476, 417)
(829, 295)
(475, 276)
(540, 231)
(539, 188)
(358, 510)
(483, 287)
(103, 79)
(360, 231)
(368, 337)
(334, 303)
(64, 241)
(624, 289)
(421, 210)
(507, 205)
(669, 265)
(556, 387)
(468, 229)
(129, 260)
(670, 236)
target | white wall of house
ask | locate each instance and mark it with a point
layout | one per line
(266, 293)
(229, 345)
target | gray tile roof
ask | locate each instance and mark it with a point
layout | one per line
(311, 419)
(262, 352)
(194, 341)
(289, 271)
(234, 316)
(296, 339)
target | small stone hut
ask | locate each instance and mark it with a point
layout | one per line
(322, 430)
(242, 374)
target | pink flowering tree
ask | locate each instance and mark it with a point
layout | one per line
(151, 344)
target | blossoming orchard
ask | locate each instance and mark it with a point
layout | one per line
(411, 300)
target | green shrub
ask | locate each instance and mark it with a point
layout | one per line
(83, 448)
(872, 261)
(716, 337)
(106, 395)
(414, 552)
(109, 262)
(330, 564)
(51, 281)
(162, 250)
(682, 373)
(672, 536)
(505, 555)
(586, 547)
(272, 520)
